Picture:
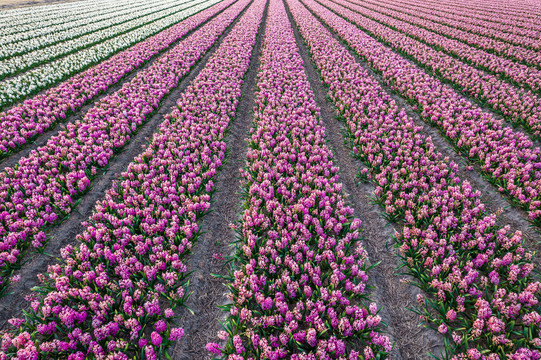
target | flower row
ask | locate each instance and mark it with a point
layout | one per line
(43, 188)
(301, 270)
(24, 122)
(443, 37)
(47, 75)
(463, 20)
(21, 19)
(491, 39)
(97, 13)
(515, 104)
(516, 15)
(12, 65)
(113, 296)
(508, 158)
(11, 46)
(481, 294)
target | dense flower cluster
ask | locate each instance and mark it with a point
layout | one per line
(300, 279)
(112, 297)
(512, 20)
(44, 186)
(441, 37)
(516, 104)
(466, 25)
(25, 19)
(508, 158)
(46, 75)
(13, 65)
(24, 122)
(482, 296)
(61, 43)
(514, 46)
(43, 26)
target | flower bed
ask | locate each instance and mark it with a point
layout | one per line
(24, 122)
(481, 294)
(42, 77)
(43, 188)
(113, 295)
(507, 158)
(442, 39)
(300, 278)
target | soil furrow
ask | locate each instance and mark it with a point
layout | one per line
(214, 245)
(42, 139)
(494, 200)
(391, 291)
(34, 263)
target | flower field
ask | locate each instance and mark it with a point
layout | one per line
(252, 179)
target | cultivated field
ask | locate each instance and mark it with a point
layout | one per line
(270, 179)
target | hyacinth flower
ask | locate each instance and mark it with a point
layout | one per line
(487, 35)
(476, 32)
(46, 47)
(477, 277)
(515, 104)
(495, 17)
(436, 37)
(507, 158)
(51, 73)
(113, 295)
(44, 187)
(52, 26)
(485, 45)
(299, 281)
(26, 121)
(18, 58)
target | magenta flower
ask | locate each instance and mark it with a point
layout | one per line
(214, 348)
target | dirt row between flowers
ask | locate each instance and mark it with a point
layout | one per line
(12, 303)
(41, 140)
(215, 243)
(491, 197)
